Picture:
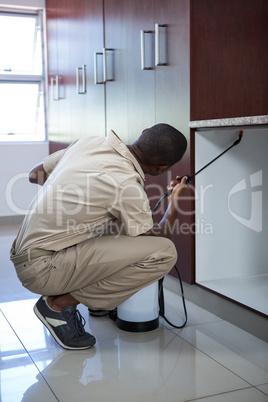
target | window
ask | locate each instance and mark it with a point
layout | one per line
(22, 83)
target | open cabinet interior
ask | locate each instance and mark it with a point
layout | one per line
(231, 215)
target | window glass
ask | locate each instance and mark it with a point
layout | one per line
(21, 106)
(20, 45)
(21, 78)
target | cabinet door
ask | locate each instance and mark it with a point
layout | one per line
(172, 79)
(52, 55)
(95, 100)
(172, 106)
(87, 99)
(77, 41)
(116, 26)
(141, 83)
(229, 42)
(64, 73)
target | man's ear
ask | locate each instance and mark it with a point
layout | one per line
(161, 168)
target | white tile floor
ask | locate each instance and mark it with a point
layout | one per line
(209, 360)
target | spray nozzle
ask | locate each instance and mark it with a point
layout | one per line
(239, 138)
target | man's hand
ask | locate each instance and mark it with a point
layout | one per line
(38, 174)
(178, 188)
(166, 227)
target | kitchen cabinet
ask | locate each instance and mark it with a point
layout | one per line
(115, 59)
(231, 251)
(131, 98)
(229, 58)
(75, 105)
(142, 93)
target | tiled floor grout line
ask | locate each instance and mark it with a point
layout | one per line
(27, 352)
(221, 393)
(221, 364)
(256, 387)
(41, 374)
(210, 357)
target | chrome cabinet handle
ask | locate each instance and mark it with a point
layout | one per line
(56, 81)
(104, 65)
(96, 81)
(83, 69)
(142, 36)
(105, 79)
(157, 46)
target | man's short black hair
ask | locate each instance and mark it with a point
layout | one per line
(161, 144)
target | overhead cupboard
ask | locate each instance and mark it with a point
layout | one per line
(116, 62)
(129, 64)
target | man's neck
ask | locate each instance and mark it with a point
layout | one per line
(135, 152)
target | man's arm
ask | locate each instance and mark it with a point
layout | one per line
(38, 174)
(165, 227)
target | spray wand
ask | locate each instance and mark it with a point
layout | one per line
(189, 178)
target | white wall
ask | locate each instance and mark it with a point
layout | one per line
(16, 161)
(232, 202)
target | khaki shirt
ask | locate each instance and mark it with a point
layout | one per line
(91, 183)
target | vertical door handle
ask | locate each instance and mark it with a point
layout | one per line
(105, 78)
(142, 50)
(104, 65)
(83, 69)
(157, 45)
(55, 94)
(96, 81)
(142, 33)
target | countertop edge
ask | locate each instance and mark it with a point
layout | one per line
(233, 121)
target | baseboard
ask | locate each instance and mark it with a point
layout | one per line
(11, 220)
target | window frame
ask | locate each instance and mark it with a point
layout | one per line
(28, 78)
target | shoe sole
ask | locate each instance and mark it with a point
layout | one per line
(43, 320)
(98, 314)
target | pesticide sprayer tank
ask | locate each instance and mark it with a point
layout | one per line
(140, 313)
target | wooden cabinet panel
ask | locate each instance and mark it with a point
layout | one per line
(52, 56)
(116, 26)
(75, 31)
(95, 97)
(172, 106)
(130, 97)
(172, 80)
(64, 72)
(141, 83)
(229, 58)
(77, 22)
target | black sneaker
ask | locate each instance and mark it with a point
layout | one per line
(66, 326)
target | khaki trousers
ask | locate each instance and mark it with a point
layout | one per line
(102, 272)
